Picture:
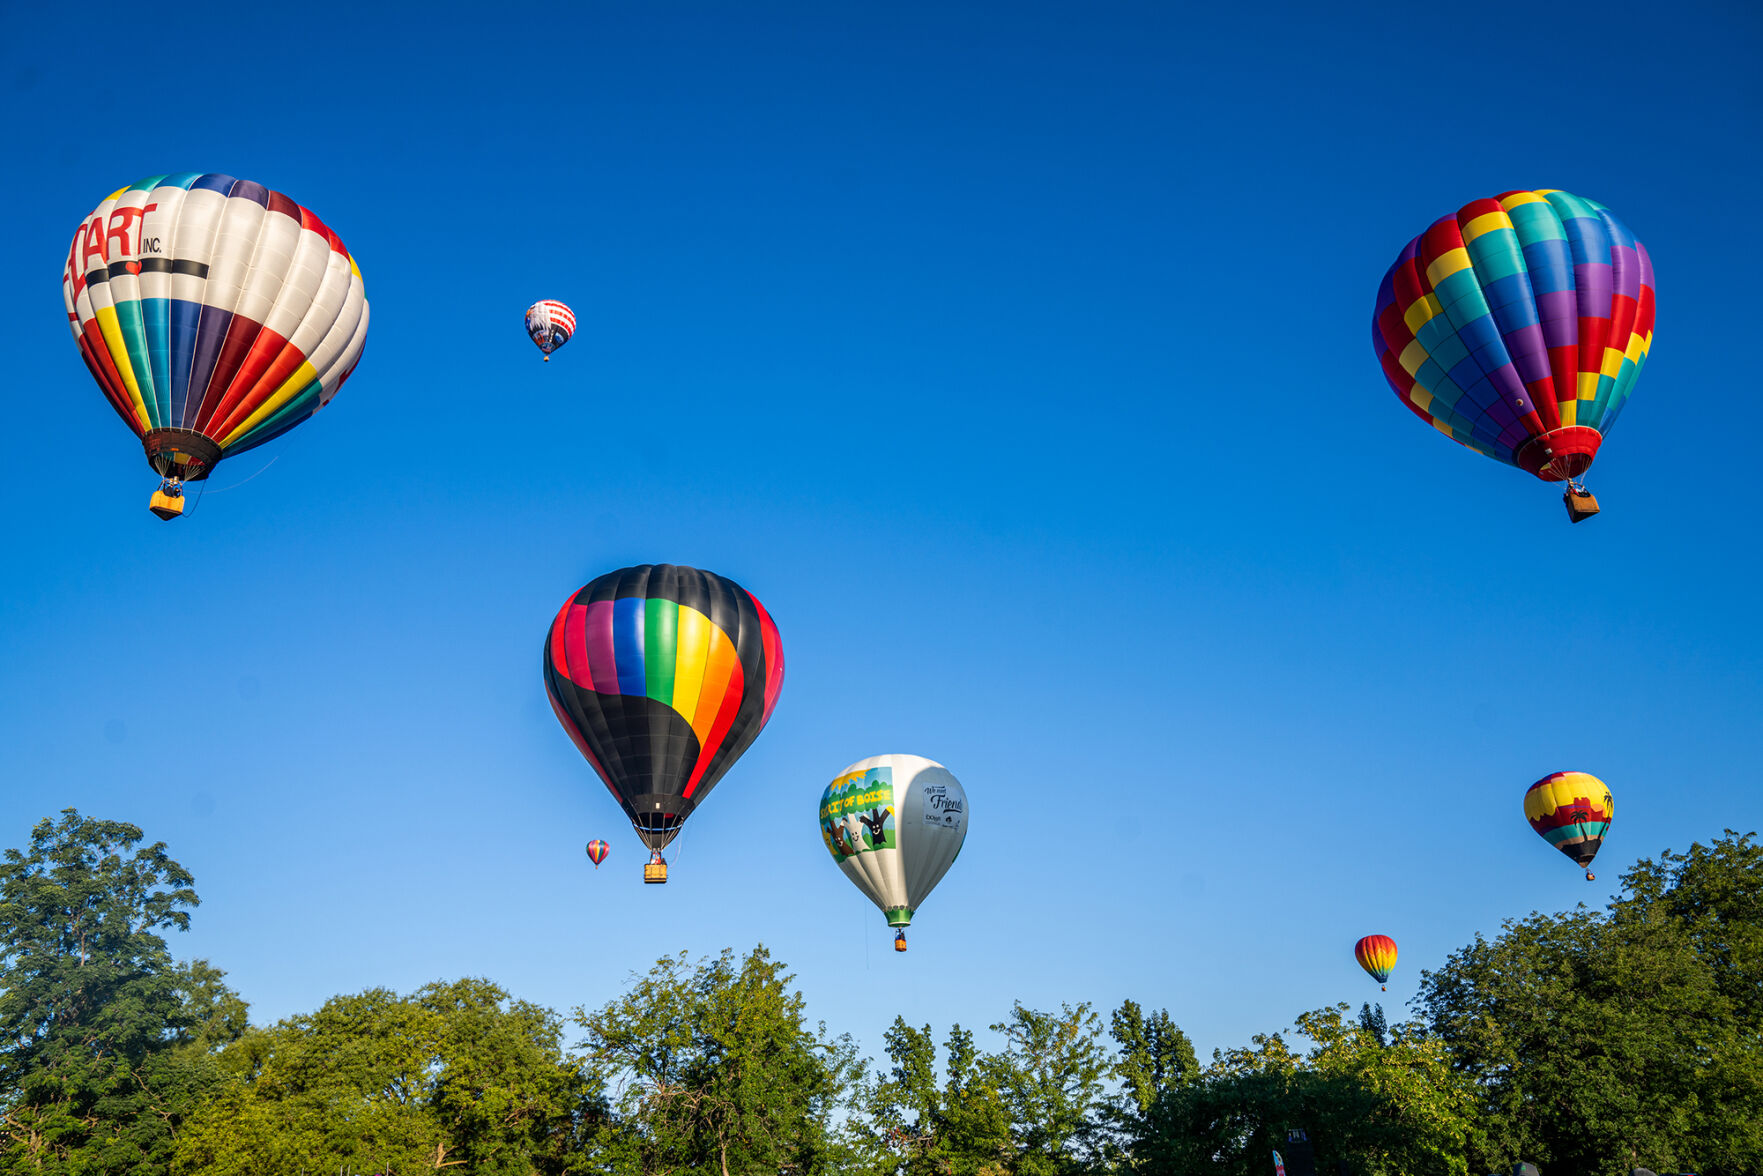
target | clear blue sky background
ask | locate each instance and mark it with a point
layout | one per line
(1017, 357)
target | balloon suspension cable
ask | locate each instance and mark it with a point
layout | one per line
(237, 484)
(678, 844)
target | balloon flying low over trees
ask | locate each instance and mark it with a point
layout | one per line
(1517, 327)
(894, 824)
(1377, 955)
(214, 313)
(550, 325)
(1572, 812)
(662, 676)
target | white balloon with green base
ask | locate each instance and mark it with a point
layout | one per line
(894, 824)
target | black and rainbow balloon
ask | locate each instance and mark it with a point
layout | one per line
(663, 676)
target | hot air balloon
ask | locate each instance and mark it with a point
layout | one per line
(550, 324)
(1572, 812)
(1517, 328)
(215, 314)
(894, 824)
(1377, 955)
(597, 851)
(663, 676)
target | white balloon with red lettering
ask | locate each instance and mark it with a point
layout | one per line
(215, 314)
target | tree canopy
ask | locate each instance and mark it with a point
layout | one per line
(1586, 1042)
(105, 1043)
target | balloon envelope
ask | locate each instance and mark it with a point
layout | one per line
(662, 676)
(1571, 811)
(550, 325)
(597, 851)
(214, 313)
(1518, 326)
(894, 824)
(1377, 955)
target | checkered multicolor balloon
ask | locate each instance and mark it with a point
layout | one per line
(1517, 327)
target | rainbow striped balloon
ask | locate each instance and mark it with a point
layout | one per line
(215, 313)
(1377, 955)
(663, 676)
(597, 851)
(1518, 327)
(1572, 811)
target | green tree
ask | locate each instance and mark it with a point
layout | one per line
(455, 1077)
(922, 1127)
(1052, 1076)
(1383, 1107)
(106, 1044)
(716, 1070)
(1155, 1056)
(1602, 1041)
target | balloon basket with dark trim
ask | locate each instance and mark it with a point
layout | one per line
(1580, 504)
(655, 871)
(166, 505)
(899, 941)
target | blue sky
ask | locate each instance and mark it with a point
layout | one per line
(1017, 358)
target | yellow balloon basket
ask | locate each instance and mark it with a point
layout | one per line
(167, 506)
(655, 871)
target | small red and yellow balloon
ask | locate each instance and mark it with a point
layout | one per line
(1377, 955)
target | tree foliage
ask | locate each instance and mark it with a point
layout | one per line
(919, 1125)
(1599, 1042)
(1155, 1058)
(105, 1043)
(455, 1077)
(1383, 1106)
(1587, 1042)
(713, 1068)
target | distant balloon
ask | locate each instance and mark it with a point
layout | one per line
(1517, 327)
(662, 676)
(1377, 955)
(550, 324)
(894, 824)
(597, 851)
(215, 314)
(1572, 812)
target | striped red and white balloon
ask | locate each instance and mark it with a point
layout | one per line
(215, 314)
(550, 324)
